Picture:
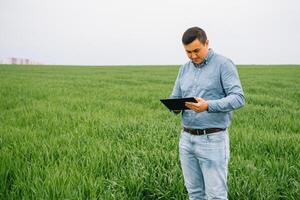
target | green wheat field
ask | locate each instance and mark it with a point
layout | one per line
(80, 132)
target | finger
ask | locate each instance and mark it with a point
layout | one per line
(190, 103)
(187, 105)
(193, 107)
(199, 99)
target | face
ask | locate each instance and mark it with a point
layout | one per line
(196, 51)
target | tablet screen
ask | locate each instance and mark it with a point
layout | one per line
(177, 104)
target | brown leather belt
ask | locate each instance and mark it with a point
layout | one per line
(202, 131)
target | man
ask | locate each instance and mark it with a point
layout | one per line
(204, 143)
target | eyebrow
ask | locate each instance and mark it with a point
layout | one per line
(193, 50)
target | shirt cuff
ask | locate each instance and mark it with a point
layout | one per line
(212, 106)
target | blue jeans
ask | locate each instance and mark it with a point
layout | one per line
(204, 163)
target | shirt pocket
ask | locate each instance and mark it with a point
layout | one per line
(210, 83)
(210, 88)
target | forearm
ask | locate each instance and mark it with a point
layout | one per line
(226, 104)
(233, 92)
(176, 92)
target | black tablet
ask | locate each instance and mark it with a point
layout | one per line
(177, 104)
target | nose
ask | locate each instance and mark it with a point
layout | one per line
(193, 55)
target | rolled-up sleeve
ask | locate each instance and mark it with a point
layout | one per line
(234, 95)
(176, 93)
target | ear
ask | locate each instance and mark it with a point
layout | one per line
(207, 43)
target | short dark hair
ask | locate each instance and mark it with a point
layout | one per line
(194, 33)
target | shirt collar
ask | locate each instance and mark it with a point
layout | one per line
(206, 59)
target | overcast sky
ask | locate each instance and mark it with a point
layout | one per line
(119, 32)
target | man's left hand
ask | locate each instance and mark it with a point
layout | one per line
(200, 106)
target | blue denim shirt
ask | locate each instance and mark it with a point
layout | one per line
(216, 80)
